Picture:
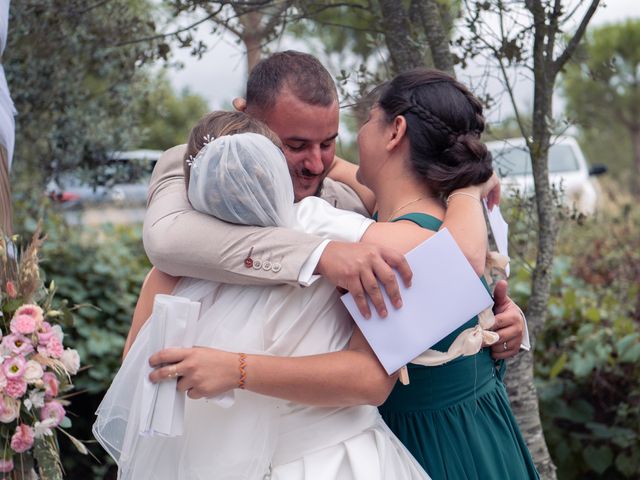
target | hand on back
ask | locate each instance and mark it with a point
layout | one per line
(357, 267)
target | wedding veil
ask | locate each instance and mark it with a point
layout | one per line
(242, 179)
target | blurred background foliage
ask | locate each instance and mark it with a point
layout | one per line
(587, 366)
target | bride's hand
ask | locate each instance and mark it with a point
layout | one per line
(202, 372)
(491, 191)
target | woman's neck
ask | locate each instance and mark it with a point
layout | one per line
(405, 195)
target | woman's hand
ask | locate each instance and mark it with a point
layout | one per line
(491, 191)
(202, 372)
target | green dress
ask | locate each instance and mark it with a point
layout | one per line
(455, 418)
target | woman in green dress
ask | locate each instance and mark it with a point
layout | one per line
(454, 418)
(420, 150)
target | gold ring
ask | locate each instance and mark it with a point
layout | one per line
(505, 346)
(174, 372)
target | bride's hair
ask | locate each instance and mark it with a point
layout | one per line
(235, 171)
(444, 124)
(217, 124)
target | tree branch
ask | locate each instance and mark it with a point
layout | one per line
(91, 7)
(577, 37)
(171, 34)
(272, 23)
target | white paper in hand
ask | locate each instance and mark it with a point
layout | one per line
(500, 230)
(173, 324)
(445, 294)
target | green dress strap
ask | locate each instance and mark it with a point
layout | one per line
(421, 219)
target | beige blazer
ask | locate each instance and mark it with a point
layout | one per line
(182, 242)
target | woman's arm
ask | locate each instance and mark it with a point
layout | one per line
(350, 377)
(156, 282)
(465, 219)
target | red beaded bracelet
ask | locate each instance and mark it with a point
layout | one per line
(243, 370)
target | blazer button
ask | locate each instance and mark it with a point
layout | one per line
(257, 264)
(276, 267)
(248, 262)
(266, 265)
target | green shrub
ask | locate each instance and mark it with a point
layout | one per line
(588, 354)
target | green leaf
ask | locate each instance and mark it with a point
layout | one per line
(598, 458)
(592, 314)
(583, 365)
(632, 354)
(628, 464)
(629, 348)
(558, 366)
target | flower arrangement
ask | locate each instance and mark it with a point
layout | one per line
(35, 368)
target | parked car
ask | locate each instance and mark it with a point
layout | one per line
(125, 183)
(568, 171)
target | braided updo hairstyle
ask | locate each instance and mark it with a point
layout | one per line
(444, 124)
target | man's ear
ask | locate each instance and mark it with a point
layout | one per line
(239, 103)
(398, 131)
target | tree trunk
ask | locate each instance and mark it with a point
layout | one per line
(252, 36)
(428, 12)
(524, 403)
(523, 391)
(402, 47)
(254, 50)
(635, 177)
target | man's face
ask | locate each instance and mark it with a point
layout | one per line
(308, 134)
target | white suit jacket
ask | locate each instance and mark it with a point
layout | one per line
(183, 242)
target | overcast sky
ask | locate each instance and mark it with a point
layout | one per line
(220, 75)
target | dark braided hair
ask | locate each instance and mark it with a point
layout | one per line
(444, 124)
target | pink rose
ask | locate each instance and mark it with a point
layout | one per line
(16, 388)
(9, 409)
(23, 324)
(18, 344)
(11, 289)
(55, 348)
(33, 311)
(44, 333)
(22, 440)
(32, 371)
(71, 361)
(6, 465)
(50, 384)
(52, 410)
(13, 368)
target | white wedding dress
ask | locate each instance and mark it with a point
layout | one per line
(261, 437)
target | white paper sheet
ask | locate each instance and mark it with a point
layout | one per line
(173, 324)
(500, 230)
(444, 295)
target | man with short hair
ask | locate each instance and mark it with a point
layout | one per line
(296, 97)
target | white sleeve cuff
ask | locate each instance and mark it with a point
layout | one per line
(306, 276)
(526, 344)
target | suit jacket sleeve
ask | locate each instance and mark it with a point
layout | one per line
(183, 242)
